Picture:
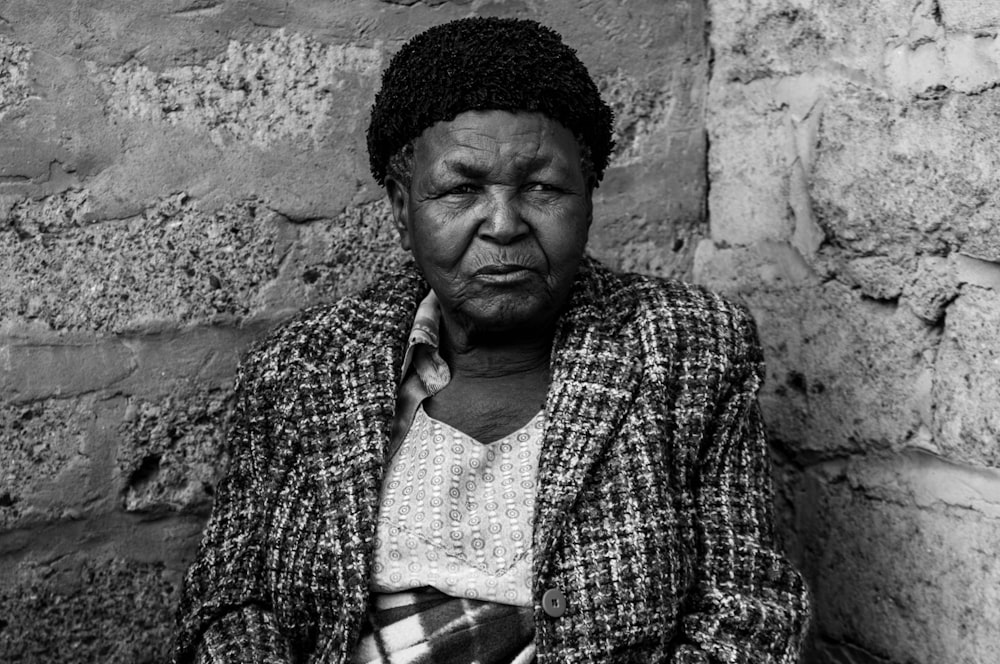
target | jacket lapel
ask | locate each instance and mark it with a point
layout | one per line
(596, 371)
(368, 371)
(372, 338)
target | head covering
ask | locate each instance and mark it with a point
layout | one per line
(478, 64)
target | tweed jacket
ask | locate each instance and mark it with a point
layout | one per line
(653, 504)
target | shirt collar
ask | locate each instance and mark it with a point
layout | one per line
(422, 354)
(426, 323)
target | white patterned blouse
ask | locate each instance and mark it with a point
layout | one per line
(457, 514)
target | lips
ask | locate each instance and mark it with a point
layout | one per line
(500, 268)
(503, 274)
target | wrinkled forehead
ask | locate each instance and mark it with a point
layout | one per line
(477, 143)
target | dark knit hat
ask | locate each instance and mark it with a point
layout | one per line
(478, 64)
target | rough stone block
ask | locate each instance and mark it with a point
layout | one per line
(749, 196)
(642, 115)
(644, 222)
(915, 70)
(894, 180)
(173, 264)
(931, 288)
(972, 62)
(28, 159)
(784, 37)
(54, 136)
(45, 470)
(334, 257)
(763, 137)
(279, 142)
(971, 270)
(173, 452)
(926, 285)
(293, 177)
(14, 63)
(770, 265)
(970, 14)
(877, 277)
(260, 92)
(650, 257)
(906, 582)
(29, 372)
(775, 38)
(965, 62)
(205, 356)
(84, 611)
(844, 374)
(967, 379)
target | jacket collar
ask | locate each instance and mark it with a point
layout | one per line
(374, 329)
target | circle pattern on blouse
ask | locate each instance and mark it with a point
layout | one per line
(457, 514)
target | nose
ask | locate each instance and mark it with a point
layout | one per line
(502, 221)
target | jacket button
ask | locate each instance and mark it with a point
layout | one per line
(554, 602)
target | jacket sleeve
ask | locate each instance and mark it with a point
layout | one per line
(226, 613)
(749, 605)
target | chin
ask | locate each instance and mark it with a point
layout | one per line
(511, 312)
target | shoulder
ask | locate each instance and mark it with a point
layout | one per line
(321, 333)
(690, 313)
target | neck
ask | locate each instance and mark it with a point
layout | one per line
(487, 355)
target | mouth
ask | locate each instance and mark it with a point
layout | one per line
(502, 273)
(500, 268)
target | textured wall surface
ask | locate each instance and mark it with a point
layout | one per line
(178, 176)
(854, 202)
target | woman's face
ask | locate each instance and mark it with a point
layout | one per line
(496, 216)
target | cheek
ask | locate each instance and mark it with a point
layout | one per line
(564, 237)
(439, 244)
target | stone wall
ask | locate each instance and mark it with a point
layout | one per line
(177, 177)
(854, 170)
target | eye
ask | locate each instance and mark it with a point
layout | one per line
(543, 188)
(463, 189)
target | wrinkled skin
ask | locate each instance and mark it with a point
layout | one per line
(496, 215)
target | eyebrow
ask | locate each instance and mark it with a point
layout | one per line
(463, 168)
(473, 170)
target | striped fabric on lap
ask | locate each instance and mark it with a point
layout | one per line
(428, 627)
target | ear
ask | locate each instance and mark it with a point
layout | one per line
(399, 200)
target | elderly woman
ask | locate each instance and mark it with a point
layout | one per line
(506, 452)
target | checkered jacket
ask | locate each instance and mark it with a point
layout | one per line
(653, 505)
